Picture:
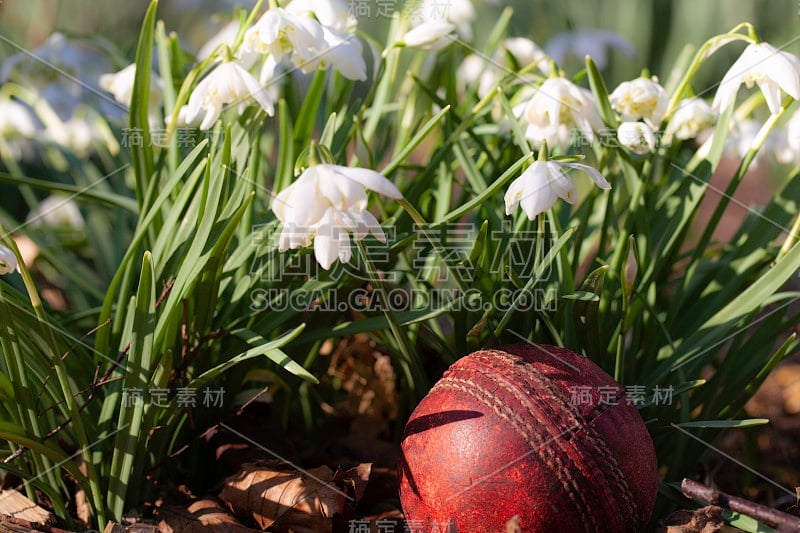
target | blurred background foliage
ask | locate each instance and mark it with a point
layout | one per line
(659, 29)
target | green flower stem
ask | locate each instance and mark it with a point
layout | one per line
(424, 227)
(791, 239)
(619, 363)
(701, 55)
(410, 363)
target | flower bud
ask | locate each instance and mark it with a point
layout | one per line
(637, 137)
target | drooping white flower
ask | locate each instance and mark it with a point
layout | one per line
(642, 98)
(544, 182)
(84, 133)
(430, 36)
(460, 13)
(691, 116)
(281, 34)
(56, 211)
(487, 73)
(588, 42)
(120, 84)
(342, 52)
(557, 109)
(637, 137)
(308, 44)
(228, 83)
(8, 261)
(327, 203)
(768, 67)
(334, 14)
(742, 135)
(16, 120)
(472, 69)
(524, 51)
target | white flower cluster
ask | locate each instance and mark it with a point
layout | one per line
(642, 99)
(304, 35)
(326, 203)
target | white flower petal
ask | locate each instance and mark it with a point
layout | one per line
(561, 184)
(373, 225)
(772, 94)
(593, 173)
(430, 36)
(8, 261)
(537, 195)
(370, 179)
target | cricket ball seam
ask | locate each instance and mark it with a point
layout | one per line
(552, 461)
(528, 374)
(593, 469)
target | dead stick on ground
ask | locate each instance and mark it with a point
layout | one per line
(767, 515)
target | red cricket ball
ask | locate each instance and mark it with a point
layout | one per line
(532, 432)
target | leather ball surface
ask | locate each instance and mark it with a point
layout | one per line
(531, 433)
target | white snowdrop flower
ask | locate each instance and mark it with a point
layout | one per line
(487, 72)
(637, 137)
(16, 120)
(740, 140)
(56, 211)
(8, 261)
(181, 121)
(460, 13)
(743, 135)
(80, 136)
(588, 42)
(327, 203)
(768, 67)
(334, 14)
(430, 36)
(544, 182)
(471, 69)
(85, 132)
(281, 33)
(691, 116)
(642, 98)
(342, 52)
(228, 83)
(120, 85)
(525, 52)
(559, 107)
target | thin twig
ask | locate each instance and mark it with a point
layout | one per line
(769, 516)
(50, 373)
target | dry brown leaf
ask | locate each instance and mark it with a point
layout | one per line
(367, 377)
(706, 520)
(206, 515)
(285, 500)
(354, 481)
(144, 527)
(82, 507)
(14, 504)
